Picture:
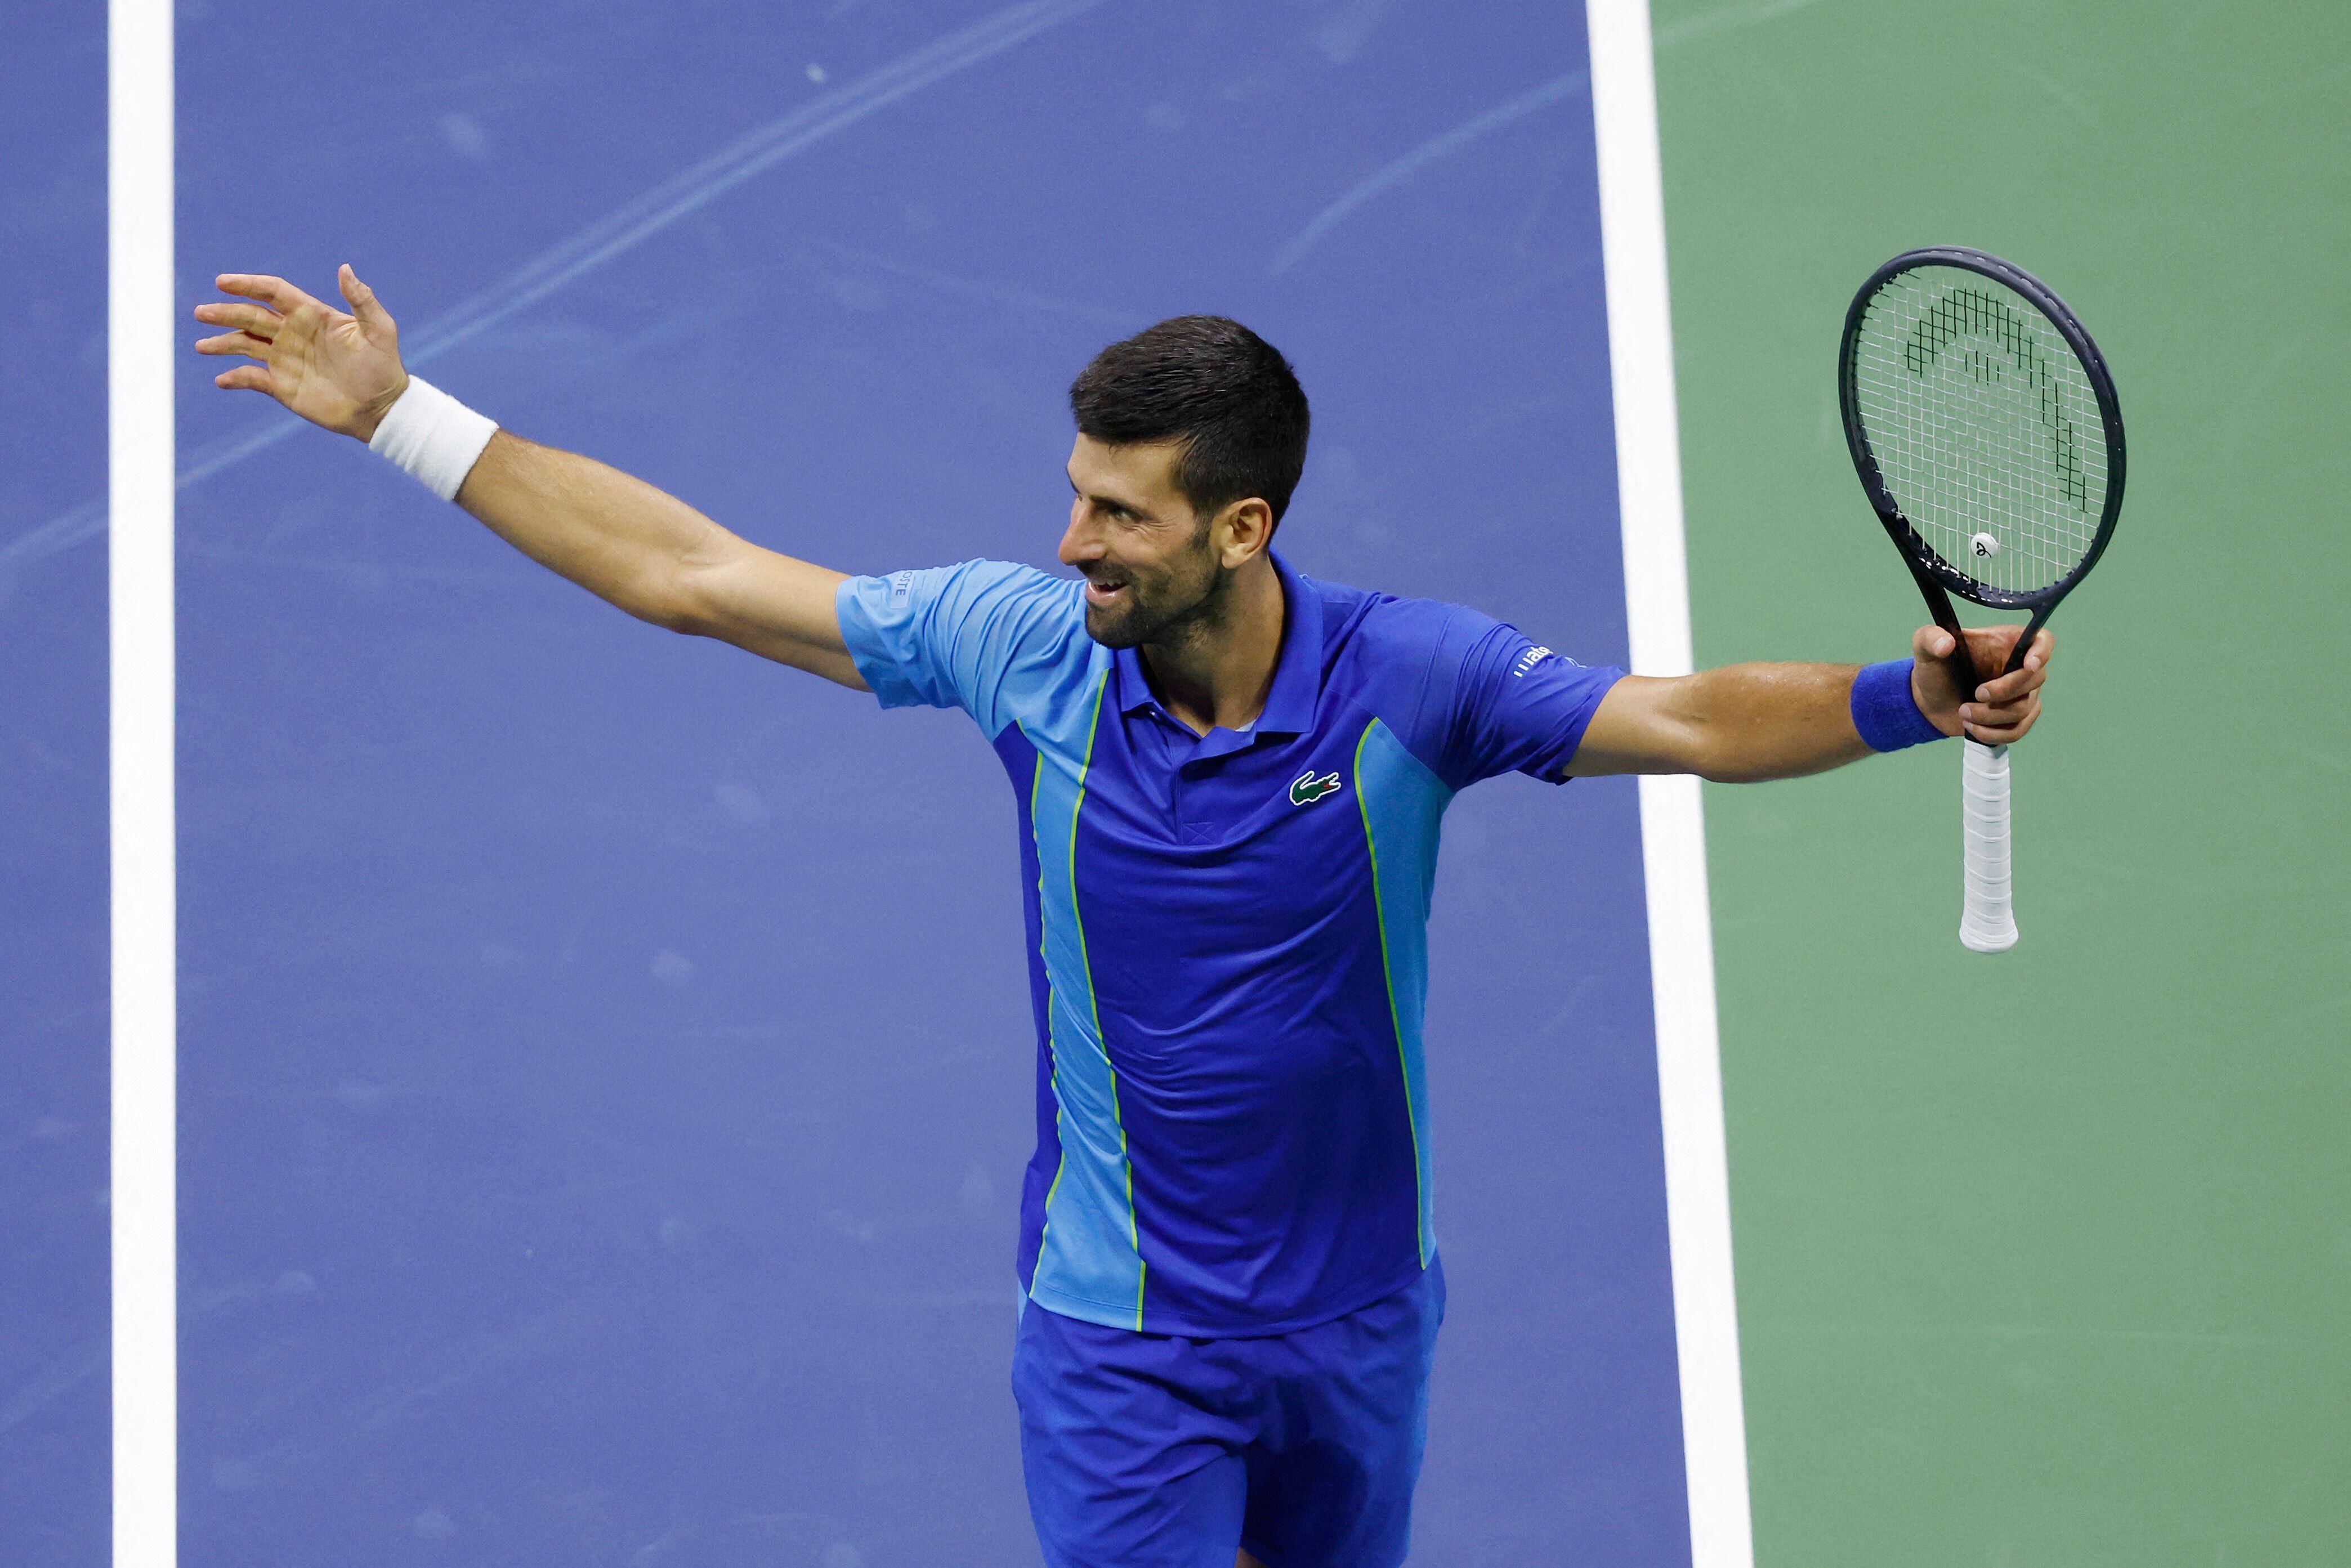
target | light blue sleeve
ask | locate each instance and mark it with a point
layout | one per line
(985, 636)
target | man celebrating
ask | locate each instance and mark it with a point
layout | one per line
(1231, 779)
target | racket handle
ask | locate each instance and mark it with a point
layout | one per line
(1987, 922)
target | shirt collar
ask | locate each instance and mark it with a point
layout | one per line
(1297, 670)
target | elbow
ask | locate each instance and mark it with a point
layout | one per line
(669, 600)
(1703, 750)
(675, 618)
(668, 610)
(1717, 763)
(1760, 763)
(1719, 770)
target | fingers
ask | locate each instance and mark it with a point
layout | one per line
(2016, 684)
(235, 343)
(1999, 725)
(255, 378)
(258, 319)
(2000, 709)
(272, 291)
(2001, 640)
(363, 302)
(1931, 642)
(2027, 675)
(1989, 647)
(1995, 644)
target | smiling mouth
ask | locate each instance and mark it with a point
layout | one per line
(1105, 591)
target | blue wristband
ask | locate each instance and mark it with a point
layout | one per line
(1883, 710)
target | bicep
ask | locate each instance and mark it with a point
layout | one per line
(772, 605)
(1643, 726)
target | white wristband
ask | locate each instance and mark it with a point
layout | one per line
(433, 436)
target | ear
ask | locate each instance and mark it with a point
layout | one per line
(1241, 531)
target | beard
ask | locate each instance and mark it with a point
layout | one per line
(1162, 608)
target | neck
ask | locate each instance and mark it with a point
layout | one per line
(1219, 670)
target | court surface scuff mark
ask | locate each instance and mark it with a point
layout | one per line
(54, 1381)
(620, 230)
(1434, 151)
(1556, 91)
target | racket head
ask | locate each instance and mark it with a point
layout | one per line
(1984, 425)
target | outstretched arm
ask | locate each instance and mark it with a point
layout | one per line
(1745, 723)
(617, 537)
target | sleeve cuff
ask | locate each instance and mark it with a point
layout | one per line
(866, 607)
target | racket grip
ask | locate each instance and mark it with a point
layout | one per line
(1987, 920)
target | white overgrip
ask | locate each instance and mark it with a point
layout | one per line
(1988, 917)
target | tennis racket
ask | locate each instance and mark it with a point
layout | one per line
(1984, 426)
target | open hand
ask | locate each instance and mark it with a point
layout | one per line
(2001, 707)
(337, 370)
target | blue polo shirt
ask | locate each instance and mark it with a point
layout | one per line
(1226, 932)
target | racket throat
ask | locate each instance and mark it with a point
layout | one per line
(1938, 604)
(1962, 665)
(2024, 643)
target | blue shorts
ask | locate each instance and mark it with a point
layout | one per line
(1146, 1450)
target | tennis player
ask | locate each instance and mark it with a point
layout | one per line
(1230, 778)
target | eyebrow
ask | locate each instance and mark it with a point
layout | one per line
(1099, 499)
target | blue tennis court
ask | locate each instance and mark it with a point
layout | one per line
(605, 1061)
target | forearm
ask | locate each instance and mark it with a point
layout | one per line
(1737, 725)
(617, 537)
(614, 535)
(656, 556)
(1748, 722)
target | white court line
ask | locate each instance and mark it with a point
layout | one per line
(1673, 831)
(140, 340)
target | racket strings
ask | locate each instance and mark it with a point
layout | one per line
(1984, 425)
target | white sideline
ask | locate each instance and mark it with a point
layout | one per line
(1673, 831)
(141, 341)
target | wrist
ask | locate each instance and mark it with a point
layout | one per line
(373, 411)
(431, 437)
(1886, 710)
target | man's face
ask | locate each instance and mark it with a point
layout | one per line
(1149, 561)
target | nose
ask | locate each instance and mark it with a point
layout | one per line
(1081, 541)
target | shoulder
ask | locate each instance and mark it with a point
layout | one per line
(971, 598)
(1372, 631)
(979, 634)
(965, 586)
(1468, 693)
(1399, 661)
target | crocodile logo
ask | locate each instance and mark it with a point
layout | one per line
(1306, 789)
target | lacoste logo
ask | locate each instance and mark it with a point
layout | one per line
(1305, 789)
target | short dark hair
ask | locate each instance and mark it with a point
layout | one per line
(1209, 382)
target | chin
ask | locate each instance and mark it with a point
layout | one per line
(1112, 631)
